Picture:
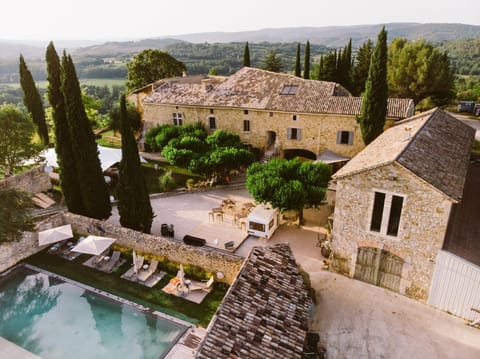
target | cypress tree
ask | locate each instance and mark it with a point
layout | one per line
(133, 200)
(95, 195)
(306, 65)
(345, 66)
(360, 71)
(321, 69)
(246, 56)
(374, 103)
(329, 68)
(298, 70)
(33, 100)
(69, 178)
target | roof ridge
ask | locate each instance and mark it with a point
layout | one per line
(412, 139)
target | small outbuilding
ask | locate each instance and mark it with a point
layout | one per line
(262, 221)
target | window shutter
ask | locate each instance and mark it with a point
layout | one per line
(350, 138)
(289, 133)
(339, 137)
(299, 133)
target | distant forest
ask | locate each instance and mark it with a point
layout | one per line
(225, 58)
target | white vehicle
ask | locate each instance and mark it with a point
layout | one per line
(262, 221)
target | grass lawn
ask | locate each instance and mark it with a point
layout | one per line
(109, 139)
(152, 176)
(154, 298)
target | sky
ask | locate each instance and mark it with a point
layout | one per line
(139, 19)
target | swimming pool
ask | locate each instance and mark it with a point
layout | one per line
(54, 319)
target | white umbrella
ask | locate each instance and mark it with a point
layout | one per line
(134, 255)
(54, 235)
(93, 245)
(181, 275)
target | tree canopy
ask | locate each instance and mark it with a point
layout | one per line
(246, 55)
(273, 62)
(306, 64)
(419, 71)
(191, 147)
(374, 103)
(14, 214)
(16, 135)
(69, 177)
(32, 100)
(133, 200)
(360, 70)
(151, 65)
(93, 189)
(288, 184)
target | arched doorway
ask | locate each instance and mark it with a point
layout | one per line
(379, 267)
(271, 138)
(297, 152)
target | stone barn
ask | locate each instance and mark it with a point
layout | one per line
(393, 202)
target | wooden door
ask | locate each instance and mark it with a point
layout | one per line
(379, 267)
(366, 268)
(390, 271)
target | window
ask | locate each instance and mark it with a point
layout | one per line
(211, 111)
(289, 90)
(270, 225)
(345, 137)
(245, 112)
(212, 123)
(246, 125)
(177, 119)
(271, 114)
(388, 207)
(294, 117)
(294, 133)
(378, 204)
(395, 214)
(257, 226)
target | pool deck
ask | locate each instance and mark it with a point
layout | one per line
(13, 351)
(188, 345)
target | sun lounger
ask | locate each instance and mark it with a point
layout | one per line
(144, 275)
(98, 259)
(203, 286)
(108, 267)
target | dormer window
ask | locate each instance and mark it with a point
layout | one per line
(289, 90)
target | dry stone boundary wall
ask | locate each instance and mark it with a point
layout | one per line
(34, 180)
(208, 258)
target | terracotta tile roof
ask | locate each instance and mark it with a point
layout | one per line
(433, 145)
(251, 88)
(265, 313)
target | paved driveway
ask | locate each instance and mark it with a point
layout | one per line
(354, 319)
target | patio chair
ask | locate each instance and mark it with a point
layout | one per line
(144, 275)
(202, 286)
(108, 267)
(98, 259)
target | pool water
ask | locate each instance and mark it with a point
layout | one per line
(54, 319)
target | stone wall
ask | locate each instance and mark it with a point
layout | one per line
(12, 253)
(208, 258)
(318, 131)
(423, 224)
(34, 180)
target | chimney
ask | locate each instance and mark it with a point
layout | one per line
(206, 85)
(407, 133)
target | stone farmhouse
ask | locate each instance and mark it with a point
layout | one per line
(277, 113)
(394, 200)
